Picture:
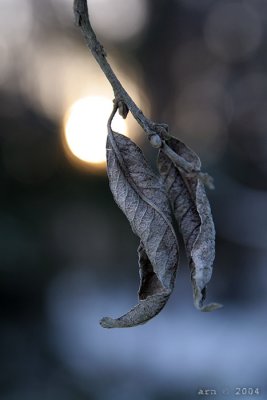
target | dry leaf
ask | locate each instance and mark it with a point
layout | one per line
(140, 195)
(192, 211)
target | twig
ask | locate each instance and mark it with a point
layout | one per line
(82, 20)
(157, 133)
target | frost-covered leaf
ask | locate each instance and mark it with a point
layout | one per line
(192, 211)
(140, 195)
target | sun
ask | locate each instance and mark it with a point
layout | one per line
(85, 128)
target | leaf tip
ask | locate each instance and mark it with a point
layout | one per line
(207, 180)
(209, 307)
(107, 322)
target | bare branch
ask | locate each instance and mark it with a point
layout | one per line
(83, 22)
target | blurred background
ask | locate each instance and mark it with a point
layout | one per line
(68, 256)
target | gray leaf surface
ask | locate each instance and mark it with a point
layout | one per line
(192, 211)
(140, 195)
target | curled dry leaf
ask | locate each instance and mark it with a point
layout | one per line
(140, 195)
(192, 211)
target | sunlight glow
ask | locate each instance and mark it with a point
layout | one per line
(86, 128)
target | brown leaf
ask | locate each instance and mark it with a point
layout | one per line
(140, 195)
(192, 211)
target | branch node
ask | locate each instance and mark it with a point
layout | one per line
(162, 130)
(155, 140)
(123, 109)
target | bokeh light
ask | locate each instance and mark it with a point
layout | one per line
(233, 31)
(52, 68)
(42, 72)
(4, 65)
(119, 22)
(14, 30)
(86, 128)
